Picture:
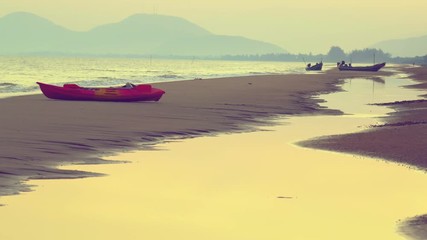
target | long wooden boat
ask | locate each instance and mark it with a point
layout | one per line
(127, 93)
(315, 67)
(372, 68)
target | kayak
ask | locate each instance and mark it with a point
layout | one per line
(127, 93)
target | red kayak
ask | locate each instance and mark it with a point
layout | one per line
(127, 93)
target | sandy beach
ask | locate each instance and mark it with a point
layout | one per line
(40, 134)
(401, 139)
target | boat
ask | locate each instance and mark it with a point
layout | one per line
(315, 67)
(373, 68)
(127, 93)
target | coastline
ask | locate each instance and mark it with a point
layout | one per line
(40, 134)
(402, 139)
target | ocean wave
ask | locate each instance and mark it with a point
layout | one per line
(104, 82)
(158, 71)
(86, 73)
(16, 88)
(170, 76)
(100, 70)
(7, 84)
(262, 73)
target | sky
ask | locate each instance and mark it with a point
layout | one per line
(298, 26)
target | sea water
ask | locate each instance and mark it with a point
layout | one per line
(18, 75)
(248, 186)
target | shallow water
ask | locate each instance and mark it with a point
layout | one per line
(18, 75)
(256, 185)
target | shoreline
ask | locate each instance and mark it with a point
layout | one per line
(401, 139)
(41, 134)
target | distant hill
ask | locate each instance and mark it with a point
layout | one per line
(409, 47)
(140, 34)
(25, 32)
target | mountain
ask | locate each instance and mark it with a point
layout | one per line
(26, 32)
(140, 34)
(409, 47)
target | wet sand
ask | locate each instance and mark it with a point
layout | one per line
(39, 134)
(403, 139)
(252, 185)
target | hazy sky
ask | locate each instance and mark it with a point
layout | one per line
(299, 26)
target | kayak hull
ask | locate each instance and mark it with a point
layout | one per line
(73, 92)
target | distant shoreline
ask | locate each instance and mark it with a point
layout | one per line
(364, 58)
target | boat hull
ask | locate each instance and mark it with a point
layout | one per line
(373, 68)
(143, 92)
(316, 67)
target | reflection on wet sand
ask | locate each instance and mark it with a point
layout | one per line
(257, 185)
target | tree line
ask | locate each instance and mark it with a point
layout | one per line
(335, 54)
